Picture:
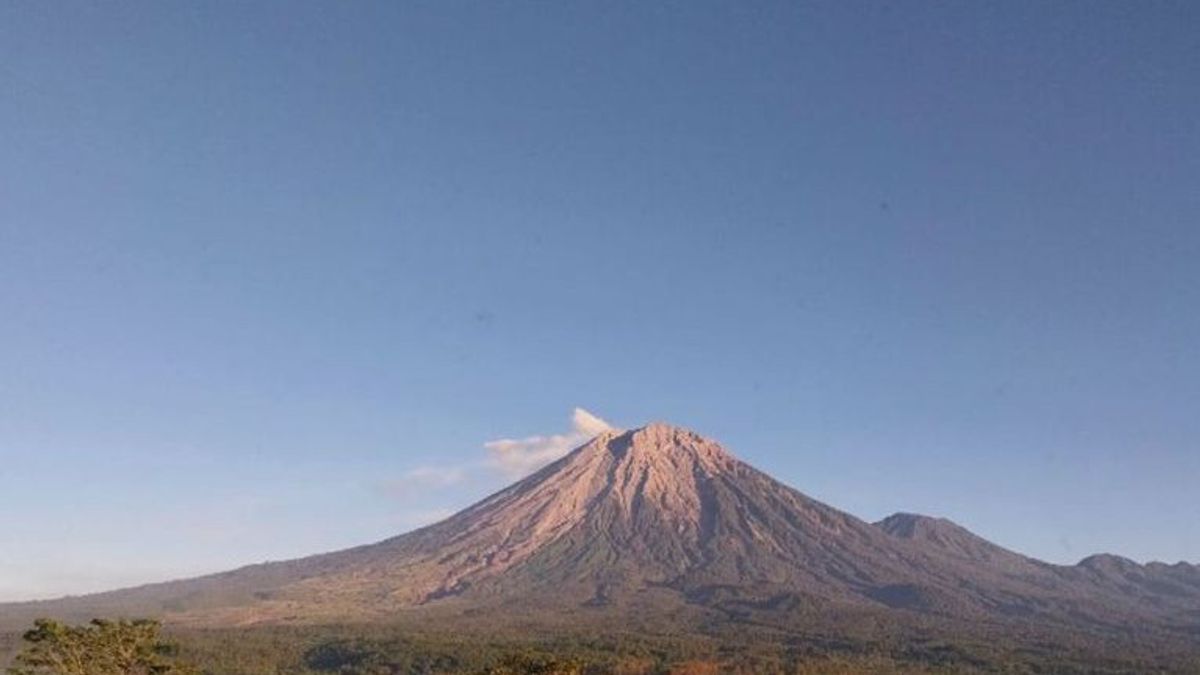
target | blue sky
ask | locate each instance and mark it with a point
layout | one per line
(272, 274)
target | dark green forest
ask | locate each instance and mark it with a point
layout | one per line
(397, 650)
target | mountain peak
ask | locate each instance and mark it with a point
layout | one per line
(914, 525)
(660, 446)
(662, 433)
(950, 537)
(1107, 562)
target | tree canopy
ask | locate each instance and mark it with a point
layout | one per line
(101, 647)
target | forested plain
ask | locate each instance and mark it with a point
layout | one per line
(399, 650)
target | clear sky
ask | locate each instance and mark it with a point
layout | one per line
(271, 275)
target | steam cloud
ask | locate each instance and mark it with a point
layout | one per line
(522, 456)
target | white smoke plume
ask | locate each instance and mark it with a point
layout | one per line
(522, 456)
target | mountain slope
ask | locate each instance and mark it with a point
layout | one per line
(660, 519)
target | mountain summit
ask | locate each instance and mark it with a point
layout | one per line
(662, 521)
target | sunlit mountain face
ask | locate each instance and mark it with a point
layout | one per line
(661, 524)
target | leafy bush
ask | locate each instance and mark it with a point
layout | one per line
(98, 648)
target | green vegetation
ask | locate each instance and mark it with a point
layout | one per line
(98, 648)
(411, 650)
(136, 648)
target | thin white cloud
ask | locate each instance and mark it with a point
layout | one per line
(522, 456)
(435, 476)
(513, 458)
(421, 480)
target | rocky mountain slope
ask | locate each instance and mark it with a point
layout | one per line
(659, 519)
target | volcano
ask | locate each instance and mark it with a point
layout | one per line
(660, 521)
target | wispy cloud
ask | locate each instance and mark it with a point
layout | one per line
(436, 476)
(422, 479)
(512, 458)
(522, 456)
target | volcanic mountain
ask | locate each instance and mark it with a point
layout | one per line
(661, 521)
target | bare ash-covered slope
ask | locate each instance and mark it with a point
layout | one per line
(662, 518)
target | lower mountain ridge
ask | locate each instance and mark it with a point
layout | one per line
(661, 522)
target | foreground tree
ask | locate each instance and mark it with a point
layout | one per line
(98, 648)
